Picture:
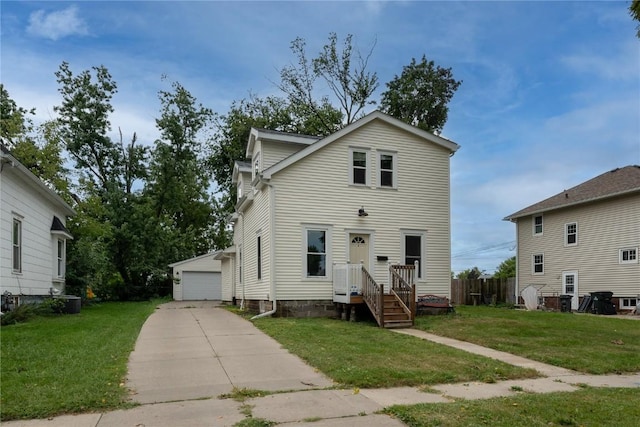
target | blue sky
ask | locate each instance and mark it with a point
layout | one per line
(550, 94)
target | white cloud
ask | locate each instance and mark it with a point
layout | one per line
(57, 25)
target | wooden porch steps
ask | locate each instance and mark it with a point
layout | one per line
(394, 315)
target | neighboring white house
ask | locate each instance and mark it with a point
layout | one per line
(582, 240)
(197, 278)
(375, 192)
(33, 233)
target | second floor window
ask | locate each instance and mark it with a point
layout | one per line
(571, 234)
(537, 224)
(359, 167)
(387, 165)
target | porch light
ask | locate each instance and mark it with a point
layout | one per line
(361, 212)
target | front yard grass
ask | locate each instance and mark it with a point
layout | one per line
(363, 355)
(585, 343)
(69, 363)
(596, 407)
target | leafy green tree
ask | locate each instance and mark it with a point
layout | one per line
(420, 95)
(506, 269)
(179, 176)
(344, 71)
(15, 121)
(634, 11)
(472, 273)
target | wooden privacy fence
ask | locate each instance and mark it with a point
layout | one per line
(483, 291)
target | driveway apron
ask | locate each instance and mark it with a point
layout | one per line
(193, 350)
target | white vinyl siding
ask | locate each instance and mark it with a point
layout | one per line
(273, 152)
(605, 227)
(303, 189)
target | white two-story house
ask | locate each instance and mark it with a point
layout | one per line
(312, 212)
(33, 233)
(583, 240)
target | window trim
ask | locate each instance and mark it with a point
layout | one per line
(566, 233)
(16, 245)
(394, 169)
(629, 306)
(259, 256)
(423, 250)
(352, 167)
(534, 225)
(533, 264)
(621, 256)
(61, 257)
(328, 239)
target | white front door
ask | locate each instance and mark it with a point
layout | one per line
(359, 249)
(570, 287)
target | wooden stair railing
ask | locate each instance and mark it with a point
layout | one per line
(396, 309)
(403, 288)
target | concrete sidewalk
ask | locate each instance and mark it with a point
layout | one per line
(189, 353)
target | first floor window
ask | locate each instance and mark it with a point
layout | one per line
(413, 251)
(629, 256)
(259, 249)
(538, 264)
(60, 258)
(17, 246)
(629, 303)
(316, 253)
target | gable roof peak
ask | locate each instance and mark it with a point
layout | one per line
(615, 182)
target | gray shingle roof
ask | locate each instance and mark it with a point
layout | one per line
(615, 182)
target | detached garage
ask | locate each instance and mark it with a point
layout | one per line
(197, 279)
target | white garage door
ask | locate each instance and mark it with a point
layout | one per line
(201, 285)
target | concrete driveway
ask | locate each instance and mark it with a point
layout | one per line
(193, 349)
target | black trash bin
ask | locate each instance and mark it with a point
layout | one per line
(602, 303)
(72, 303)
(565, 303)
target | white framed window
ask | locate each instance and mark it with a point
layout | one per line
(359, 166)
(60, 258)
(239, 190)
(571, 234)
(628, 303)
(413, 249)
(387, 169)
(628, 256)
(537, 225)
(317, 253)
(16, 255)
(256, 166)
(537, 261)
(259, 256)
(240, 264)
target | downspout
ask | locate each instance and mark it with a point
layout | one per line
(241, 262)
(272, 248)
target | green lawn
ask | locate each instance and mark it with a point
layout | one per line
(363, 355)
(585, 343)
(589, 407)
(69, 363)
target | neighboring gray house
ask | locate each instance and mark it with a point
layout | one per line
(584, 239)
(33, 233)
(311, 210)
